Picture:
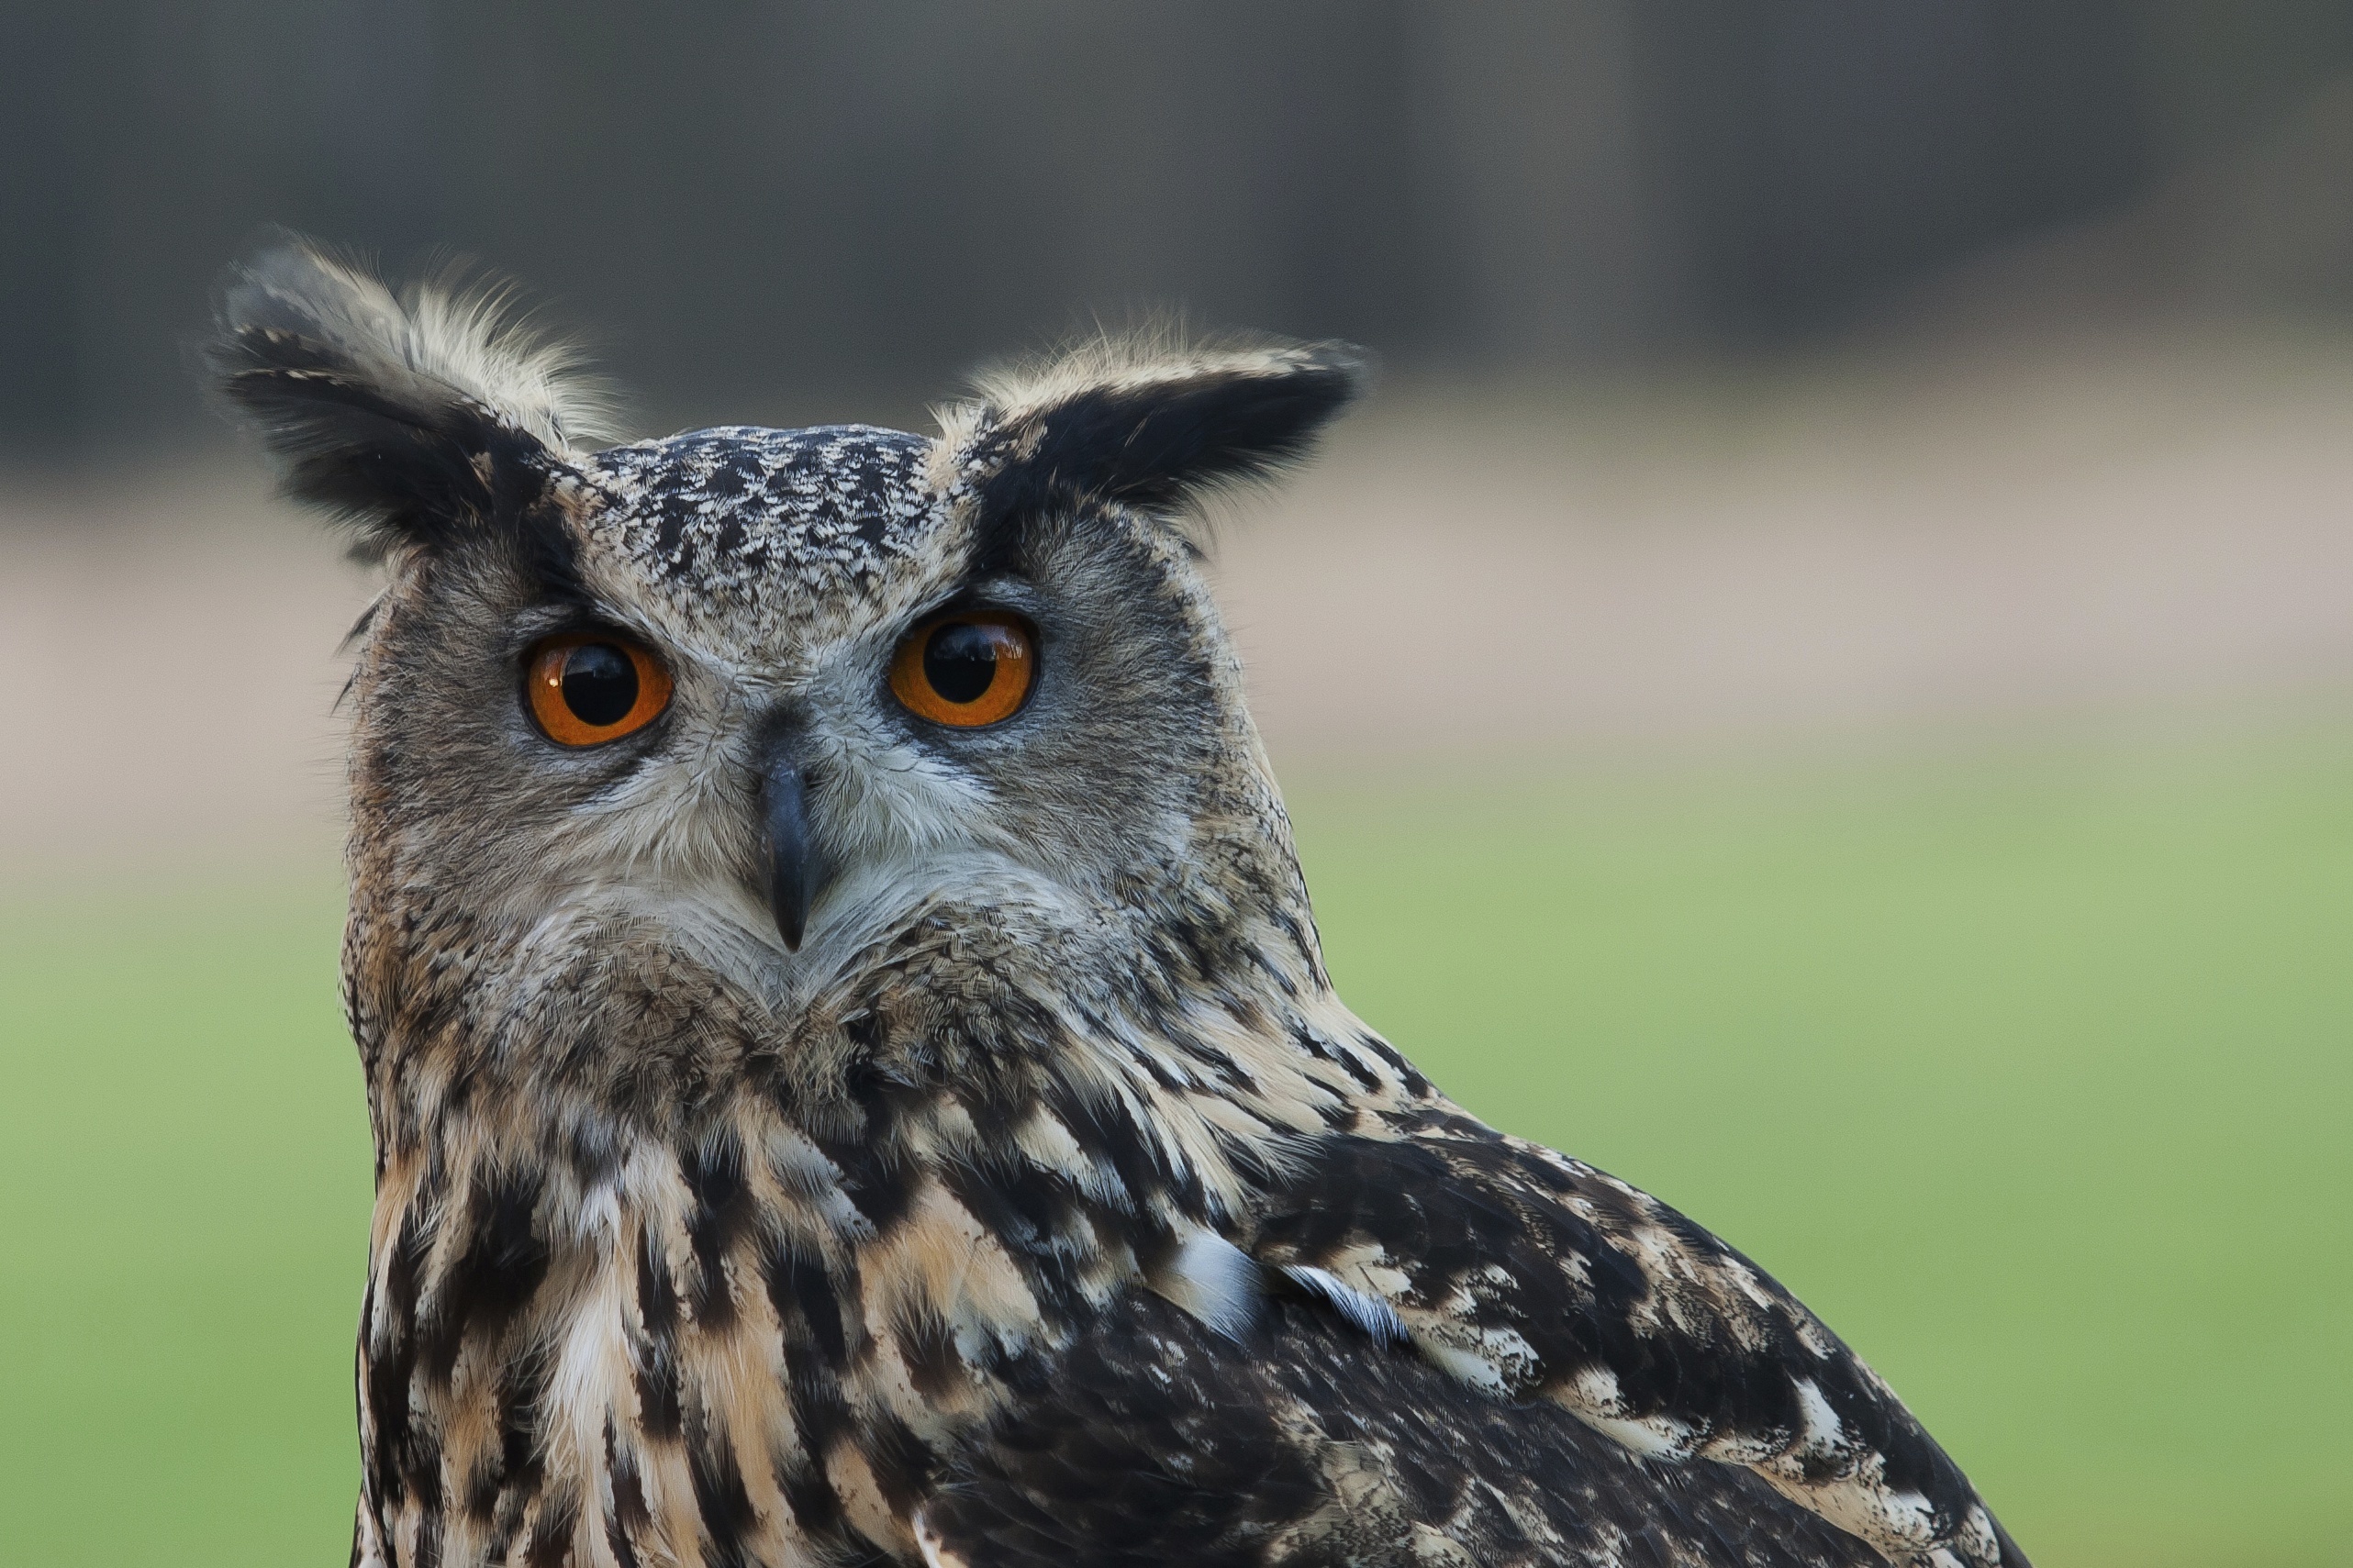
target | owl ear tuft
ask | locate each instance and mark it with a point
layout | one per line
(418, 417)
(1147, 424)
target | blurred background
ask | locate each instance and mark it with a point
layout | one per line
(1823, 682)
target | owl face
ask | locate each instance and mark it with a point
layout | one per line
(778, 687)
(778, 692)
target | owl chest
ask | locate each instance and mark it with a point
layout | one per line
(734, 1349)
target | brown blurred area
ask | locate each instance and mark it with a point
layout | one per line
(1822, 373)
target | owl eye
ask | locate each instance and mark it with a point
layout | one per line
(966, 668)
(587, 688)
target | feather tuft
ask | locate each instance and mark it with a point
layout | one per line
(412, 414)
(1148, 420)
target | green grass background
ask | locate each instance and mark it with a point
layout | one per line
(2031, 1073)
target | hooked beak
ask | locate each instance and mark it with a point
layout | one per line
(794, 875)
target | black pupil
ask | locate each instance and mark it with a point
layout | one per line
(599, 683)
(960, 660)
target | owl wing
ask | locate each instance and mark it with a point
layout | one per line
(1157, 1441)
(1535, 1277)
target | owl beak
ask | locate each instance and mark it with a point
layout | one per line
(793, 869)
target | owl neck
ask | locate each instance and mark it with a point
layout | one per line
(1177, 1036)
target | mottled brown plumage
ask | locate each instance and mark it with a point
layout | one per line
(1039, 1202)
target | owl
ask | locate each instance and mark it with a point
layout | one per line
(853, 1074)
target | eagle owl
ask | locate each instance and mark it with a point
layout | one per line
(853, 1075)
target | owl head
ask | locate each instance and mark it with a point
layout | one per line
(771, 695)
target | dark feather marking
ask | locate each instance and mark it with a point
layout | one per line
(502, 1266)
(551, 1532)
(865, 1030)
(653, 1357)
(1218, 1060)
(1305, 945)
(1106, 1130)
(1418, 1086)
(1198, 948)
(816, 1348)
(901, 1463)
(933, 1364)
(592, 1150)
(481, 1488)
(629, 1518)
(1038, 1215)
(816, 1508)
(820, 1412)
(878, 1175)
(430, 1520)
(1001, 545)
(1322, 1049)
(807, 1304)
(720, 1497)
(722, 1212)
(391, 1359)
(521, 1470)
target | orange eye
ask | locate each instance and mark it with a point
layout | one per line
(587, 688)
(967, 669)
